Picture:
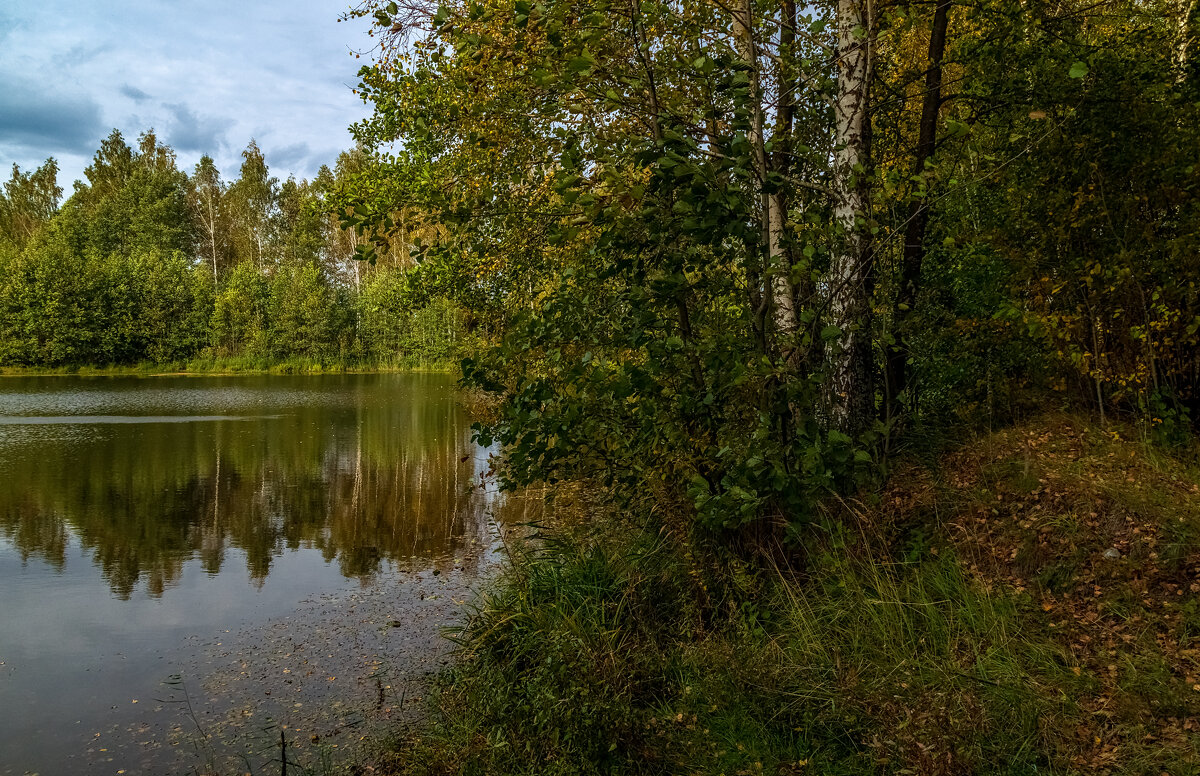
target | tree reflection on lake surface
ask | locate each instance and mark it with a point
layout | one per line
(219, 529)
(360, 468)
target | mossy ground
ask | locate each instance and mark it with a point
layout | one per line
(971, 619)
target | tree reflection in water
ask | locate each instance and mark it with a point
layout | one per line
(366, 469)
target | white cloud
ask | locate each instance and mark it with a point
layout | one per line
(208, 75)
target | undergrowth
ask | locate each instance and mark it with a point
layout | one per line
(913, 636)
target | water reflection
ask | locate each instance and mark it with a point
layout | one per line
(147, 474)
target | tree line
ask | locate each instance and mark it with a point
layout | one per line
(144, 262)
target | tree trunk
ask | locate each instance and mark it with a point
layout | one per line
(851, 390)
(772, 207)
(777, 209)
(1185, 37)
(918, 216)
(212, 236)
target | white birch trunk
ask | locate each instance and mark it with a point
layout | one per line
(1184, 38)
(212, 235)
(771, 205)
(785, 307)
(850, 391)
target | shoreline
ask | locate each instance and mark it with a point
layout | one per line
(219, 371)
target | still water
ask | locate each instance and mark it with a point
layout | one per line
(191, 565)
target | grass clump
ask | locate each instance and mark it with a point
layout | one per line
(559, 663)
(933, 669)
(592, 658)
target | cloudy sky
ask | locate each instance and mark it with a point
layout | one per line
(207, 75)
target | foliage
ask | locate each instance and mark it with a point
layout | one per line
(1062, 250)
(28, 202)
(708, 276)
(646, 351)
(398, 323)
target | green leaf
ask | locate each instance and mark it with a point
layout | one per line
(1078, 70)
(580, 64)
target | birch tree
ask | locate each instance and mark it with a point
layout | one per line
(253, 198)
(850, 388)
(206, 198)
(28, 201)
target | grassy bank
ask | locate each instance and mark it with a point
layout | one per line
(1026, 604)
(246, 365)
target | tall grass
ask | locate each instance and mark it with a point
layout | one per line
(610, 657)
(909, 639)
(928, 669)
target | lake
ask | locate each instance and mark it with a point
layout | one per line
(192, 566)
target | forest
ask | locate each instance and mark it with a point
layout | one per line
(858, 344)
(146, 265)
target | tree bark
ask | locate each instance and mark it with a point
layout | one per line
(777, 206)
(772, 206)
(851, 390)
(1185, 37)
(212, 235)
